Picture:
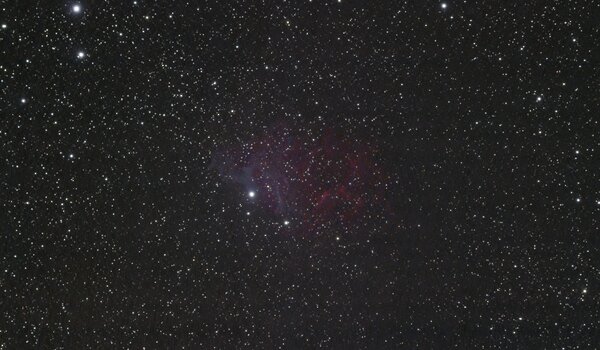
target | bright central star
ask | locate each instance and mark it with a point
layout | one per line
(251, 194)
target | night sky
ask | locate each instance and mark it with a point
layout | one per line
(299, 174)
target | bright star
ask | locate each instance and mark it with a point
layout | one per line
(80, 54)
(251, 194)
(444, 5)
(76, 8)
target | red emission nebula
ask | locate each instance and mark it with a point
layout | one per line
(309, 181)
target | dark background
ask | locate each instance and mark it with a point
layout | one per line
(116, 232)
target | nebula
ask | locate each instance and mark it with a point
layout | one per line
(315, 180)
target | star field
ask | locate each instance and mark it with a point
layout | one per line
(299, 174)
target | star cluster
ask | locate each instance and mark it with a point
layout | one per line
(299, 174)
